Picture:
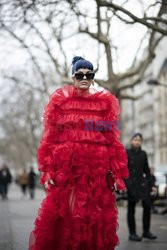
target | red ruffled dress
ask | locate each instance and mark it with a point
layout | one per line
(79, 212)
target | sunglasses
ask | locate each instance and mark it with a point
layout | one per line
(80, 76)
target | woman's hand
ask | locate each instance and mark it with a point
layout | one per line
(50, 181)
(115, 187)
(111, 181)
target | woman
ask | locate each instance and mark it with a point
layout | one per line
(23, 181)
(77, 161)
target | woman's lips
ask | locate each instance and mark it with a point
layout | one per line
(85, 83)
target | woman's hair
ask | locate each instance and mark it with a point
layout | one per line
(79, 62)
(137, 134)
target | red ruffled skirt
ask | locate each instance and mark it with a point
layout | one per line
(79, 212)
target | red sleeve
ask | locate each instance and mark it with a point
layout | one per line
(116, 150)
(45, 152)
(47, 162)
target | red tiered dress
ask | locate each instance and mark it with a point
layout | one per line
(79, 212)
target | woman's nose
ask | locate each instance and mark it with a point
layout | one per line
(84, 77)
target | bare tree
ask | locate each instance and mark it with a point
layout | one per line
(19, 124)
(58, 17)
(116, 81)
(42, 31)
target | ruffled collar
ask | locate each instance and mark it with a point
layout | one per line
(83, 92)
(67, 92)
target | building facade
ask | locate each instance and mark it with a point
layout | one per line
(148, 114)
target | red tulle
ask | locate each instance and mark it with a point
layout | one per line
(79, 212)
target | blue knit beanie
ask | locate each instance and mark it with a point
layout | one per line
(79, 62)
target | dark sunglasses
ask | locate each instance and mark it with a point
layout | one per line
(80, 76)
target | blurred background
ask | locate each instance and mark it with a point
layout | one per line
(126, 40)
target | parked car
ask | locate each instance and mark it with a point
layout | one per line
(161, 183)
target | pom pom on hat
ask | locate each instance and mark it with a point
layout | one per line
(76, 58)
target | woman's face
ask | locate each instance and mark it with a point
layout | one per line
(83, 83)
(136, 142)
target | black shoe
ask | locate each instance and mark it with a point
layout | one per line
(149, 235)
(135, 237)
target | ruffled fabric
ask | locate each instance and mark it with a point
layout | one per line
(116, 150)
(79, 212)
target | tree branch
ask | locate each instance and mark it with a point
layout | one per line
(142, 21)
(130, 97)
(42, 75)
(55, 62)
(142, 66)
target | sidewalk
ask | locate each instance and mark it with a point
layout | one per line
(158, 227)
(17, 216)
(16, 219)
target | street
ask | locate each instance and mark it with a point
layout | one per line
(17, 216)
